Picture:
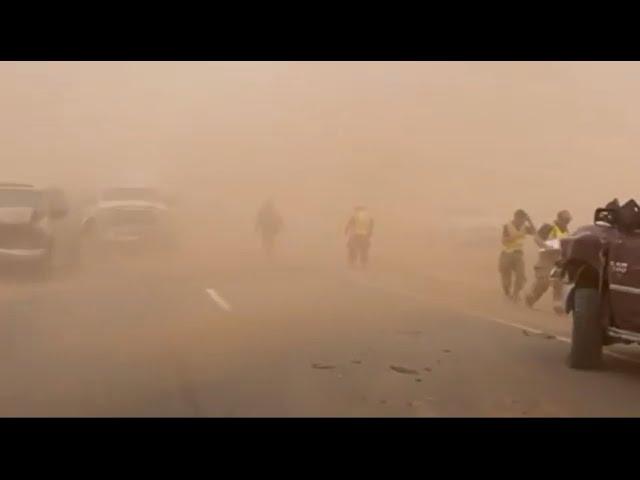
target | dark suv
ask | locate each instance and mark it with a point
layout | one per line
(602, 262)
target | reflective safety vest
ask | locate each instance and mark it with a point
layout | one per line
(515, 239)
(552, 244)
(362, 223)
(557, 233)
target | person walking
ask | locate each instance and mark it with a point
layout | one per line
(511, 262)
(269, 224)
(548, 238)
(359, 231)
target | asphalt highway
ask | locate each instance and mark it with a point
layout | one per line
(140, 336)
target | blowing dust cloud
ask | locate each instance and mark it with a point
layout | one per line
(436, 155)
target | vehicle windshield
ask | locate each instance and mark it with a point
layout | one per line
(143, 194)
(18, 197)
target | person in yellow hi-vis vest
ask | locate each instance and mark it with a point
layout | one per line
(511, 263)
(359, 230)
(548, 239)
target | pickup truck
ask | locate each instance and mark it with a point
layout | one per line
(601, 263)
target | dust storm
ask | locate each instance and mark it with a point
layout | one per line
(440, 153)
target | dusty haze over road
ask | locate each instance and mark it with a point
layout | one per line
(441, 152)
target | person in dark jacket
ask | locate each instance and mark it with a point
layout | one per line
(269, 224)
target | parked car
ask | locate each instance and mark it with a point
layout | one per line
(124, 217)
(27, 214)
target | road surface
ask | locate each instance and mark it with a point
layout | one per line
(149, 338)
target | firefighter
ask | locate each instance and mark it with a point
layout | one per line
(359, 230)
(548, 238)
(511, 263)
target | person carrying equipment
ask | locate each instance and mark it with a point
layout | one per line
(511, 262)
(548, 239)
(359, 230)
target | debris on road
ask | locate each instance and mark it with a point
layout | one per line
(413, 333)
(404, 370)
(418, 380)
(446, 351)
(320, 366)
(546, 336)
(357, 362)
(427, 369)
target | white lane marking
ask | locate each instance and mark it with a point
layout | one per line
(422, 298)
(535, 331)
(222, 303)
(22, 252)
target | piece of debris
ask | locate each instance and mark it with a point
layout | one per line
(320, 366)
(446, 351)
(418, 380)
(413, 333)
(414, 403)
(406, 371)
(383, 402)
(427, 369)
(357, 362)
(546, 336)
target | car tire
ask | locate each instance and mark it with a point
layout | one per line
(587, 336)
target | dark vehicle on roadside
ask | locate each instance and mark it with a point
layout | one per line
(601, 262)
(27, 235)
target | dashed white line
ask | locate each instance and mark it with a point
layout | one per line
(535, 331)
(222, 303)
